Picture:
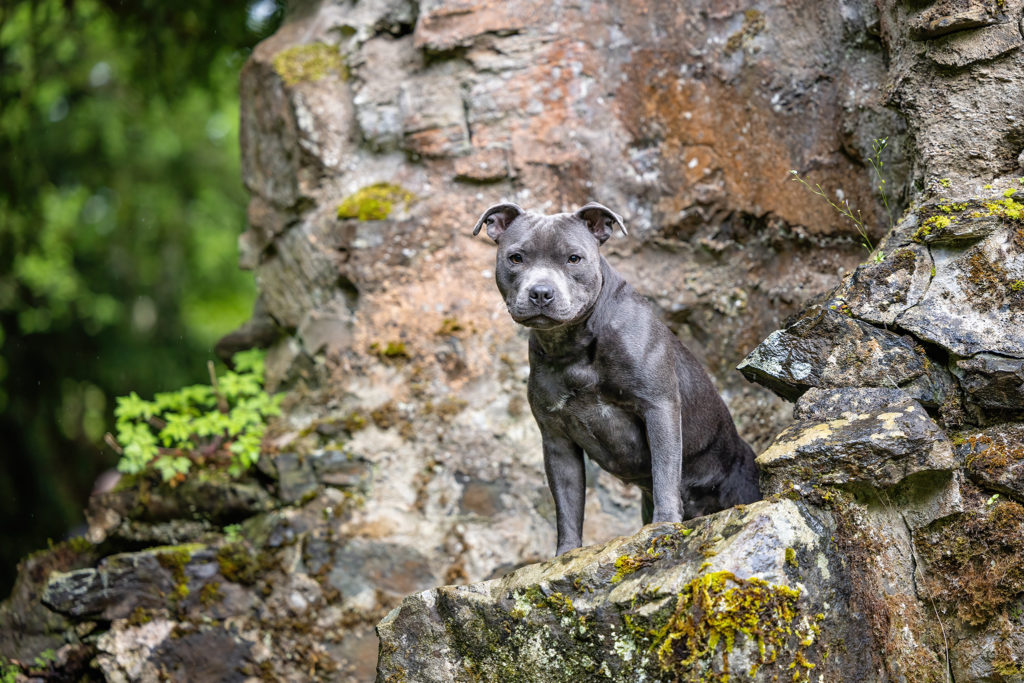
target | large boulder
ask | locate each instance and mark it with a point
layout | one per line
(757, 592)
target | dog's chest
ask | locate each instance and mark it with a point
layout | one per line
(599, 417)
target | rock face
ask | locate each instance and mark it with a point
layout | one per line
(374, 134)
(903, 459)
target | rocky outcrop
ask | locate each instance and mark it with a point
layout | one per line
(902, 460)
(755, 589)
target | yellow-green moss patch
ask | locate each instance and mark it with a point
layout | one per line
(713, 609)
(753, 24)
(933, 223)
(237, 564)
(391, 349)
(627, 564)
(306, 63)
(374, 202)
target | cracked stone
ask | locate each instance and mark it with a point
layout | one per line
(855, 437)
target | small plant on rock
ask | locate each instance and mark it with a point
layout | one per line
(220, 424)
(843, 207)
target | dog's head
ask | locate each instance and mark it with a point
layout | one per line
(548, 267)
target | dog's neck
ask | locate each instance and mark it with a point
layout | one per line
(576, 338)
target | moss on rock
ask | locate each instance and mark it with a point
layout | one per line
(374, 202)
(306, 63)
(972, 560)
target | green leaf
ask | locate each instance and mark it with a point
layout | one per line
(199, 395)
(171, 466)
(251, 361)
(213, 423)
(178, 431)
(234, 385)
(132, 407)
(176, 401)
(242, 417)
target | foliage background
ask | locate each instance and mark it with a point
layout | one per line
(120, 205)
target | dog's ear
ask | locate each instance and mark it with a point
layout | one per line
(599, 220)
(497, 219)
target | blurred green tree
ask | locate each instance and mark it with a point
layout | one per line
(120, 205)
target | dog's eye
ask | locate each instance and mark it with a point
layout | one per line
(575, 258)
(515, 258)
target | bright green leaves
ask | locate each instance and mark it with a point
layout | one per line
(212, 425)
(139, 444)
(132, 407)
(235, 385)
(170, 467)
(178, 430)
(250, 361)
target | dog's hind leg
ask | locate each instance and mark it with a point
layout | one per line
(647, 506)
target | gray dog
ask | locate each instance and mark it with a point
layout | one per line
(610, 379)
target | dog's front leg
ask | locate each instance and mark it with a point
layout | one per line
(563, 463)
(665, 439)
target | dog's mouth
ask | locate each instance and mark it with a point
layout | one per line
(539, 322)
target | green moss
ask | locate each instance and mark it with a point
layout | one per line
(237, 564)
(307, 63)
(140, 616)
(210, 594)
(374, 202)
(450, 327)
(628, 564)
(1008, 208)
(988, 284)
(753, 24)
(535, 598)
(713, 610)
(79, 544)
(973, 559)
(392, 349)
(988, 456)
(175, 559)
(949, 212)
(354, 421)
(931, 224)
(791, 557)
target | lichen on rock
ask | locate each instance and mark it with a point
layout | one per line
(309, 63)
(375, 202)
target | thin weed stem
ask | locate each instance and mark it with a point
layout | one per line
(843, 208)
(878, 145)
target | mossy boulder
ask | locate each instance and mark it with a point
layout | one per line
(754, 593)
(151, 579)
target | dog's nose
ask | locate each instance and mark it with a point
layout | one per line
(542, 294)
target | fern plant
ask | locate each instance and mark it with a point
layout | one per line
(219, 424)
